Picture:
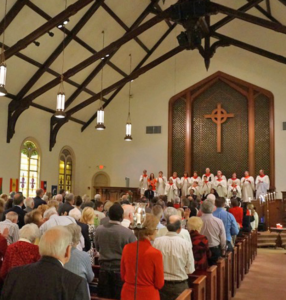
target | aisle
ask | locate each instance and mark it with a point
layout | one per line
(266, 279)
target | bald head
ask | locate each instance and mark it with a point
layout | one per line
(128, 212)
(174, 224)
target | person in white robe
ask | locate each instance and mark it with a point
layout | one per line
(233, 180)
(161, 184)
(143, 183)
(219, 173)
(247, 187)
(234, 190)
(171, 190)
(262, 183)
(195, 184)
(176, 180)
(220, 185)
(185, 184)
(207, 182)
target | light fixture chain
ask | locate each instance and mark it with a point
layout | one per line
(101, 77)
(130, 84)
(4, 25)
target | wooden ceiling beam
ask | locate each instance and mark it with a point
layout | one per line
(247, 17)
(12, 13)
(56, 125)
(87, 62)
(123, 25)
(73, 36)
(48, 70)
(159, 42)
(23, 43)
(248, 47)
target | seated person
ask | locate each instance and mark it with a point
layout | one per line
(200, 243)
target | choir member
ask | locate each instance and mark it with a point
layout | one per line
(232, 180)
(161, 184)
(185, 183)
(207, 181)
(152, 181)
(247, 186)
(171, 190)
(143, 183)
(262, 183)
(234, 190)
(220, 185)
(219, 173)
(176, 180)
(196, 183)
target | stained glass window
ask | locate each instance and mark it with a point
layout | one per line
(65, 171)
(29, 169)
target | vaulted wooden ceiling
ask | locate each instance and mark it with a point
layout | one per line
(140, 27)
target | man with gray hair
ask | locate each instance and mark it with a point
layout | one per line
(55, 249)
(67, 206)
(29, 203)
(178, 259)
(213, 229)
(38, 199)
(127, 215)
(11, 224)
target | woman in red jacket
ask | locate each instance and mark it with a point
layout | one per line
(150, 277)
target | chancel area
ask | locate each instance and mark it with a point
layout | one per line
(142, 149)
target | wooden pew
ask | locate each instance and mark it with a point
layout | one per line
(211, 274)
(228, 275)
(246, 261)
(198, 285)
(239, 264)
(98, 298)
(234, 272)
(220, 278)
(186, 295)
(243, 258)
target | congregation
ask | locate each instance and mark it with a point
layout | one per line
(54, 238)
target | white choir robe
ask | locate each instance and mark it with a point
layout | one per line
(207, 183)
(171, 192)
(176, 181)
(161, 183)
(247, 188)
(196, 184)
(143, 184)
(221, 187)
(222, 177)
(185, 184)
(232, 189)
(262, 185)
(231, 181)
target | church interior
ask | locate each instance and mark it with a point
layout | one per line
(98, 95)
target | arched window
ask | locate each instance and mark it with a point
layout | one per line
(29, 169)
(65, 170)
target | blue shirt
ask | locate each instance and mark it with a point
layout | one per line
(229, 222)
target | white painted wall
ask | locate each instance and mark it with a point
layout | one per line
(152, 92)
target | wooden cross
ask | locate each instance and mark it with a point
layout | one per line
(219, 116)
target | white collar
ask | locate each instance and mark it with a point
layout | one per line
(24, 240)
(61, 263)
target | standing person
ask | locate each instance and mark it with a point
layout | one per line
(38, 199)
(207, 182)
(161, 183)
(143, 183)
(236, 211)
(98, 209)
(11, 224)
(18, 202)
(196, 184)
(213, 229)
(153, 182)
(67, 206)
(149, 194)
(150, 276)
(229, 222)
(56, 281)
(262, 183)
(176, 180)
(233, 180)
(185, 183)
(29, 203)
(110, 240)
(178, 260)
(220, 185)
(219, 175)
(171, 190)
(247, 185)
(234, 190)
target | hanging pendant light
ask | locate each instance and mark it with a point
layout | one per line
(100, 113)
(3, 67)
(61, 97)
(128, 136)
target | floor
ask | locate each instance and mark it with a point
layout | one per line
(266, 279)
